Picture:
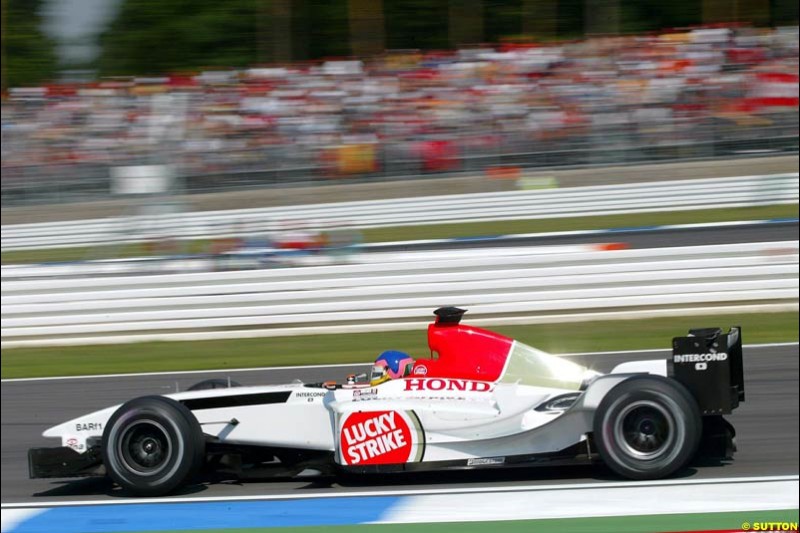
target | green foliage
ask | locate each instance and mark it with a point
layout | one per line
(571, 15)
(503, 18)
(324, 29)
(784, 12)
(28, 55)
(649, 15)
(416, 24)
(157, 36)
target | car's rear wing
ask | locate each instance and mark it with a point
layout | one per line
(709, 364)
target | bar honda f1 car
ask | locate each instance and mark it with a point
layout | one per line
(482, 400)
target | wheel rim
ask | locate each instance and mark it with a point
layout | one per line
(145, 447)
(645, 430)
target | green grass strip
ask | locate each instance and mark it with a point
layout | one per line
(444, 231)
(755, 520)
(82, 253)
(363, 347)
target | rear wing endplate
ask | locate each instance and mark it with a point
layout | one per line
(709, 364)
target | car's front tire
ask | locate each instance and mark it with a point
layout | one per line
(647, 427)
(152, 445)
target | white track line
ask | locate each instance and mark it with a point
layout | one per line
(408, 492)
(340, 365)
(11, 518)
(591, 503)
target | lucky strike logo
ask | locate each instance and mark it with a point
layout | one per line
(375, 438)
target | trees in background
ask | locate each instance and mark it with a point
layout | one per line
(28, 55)
(153, 36)
(156, 36)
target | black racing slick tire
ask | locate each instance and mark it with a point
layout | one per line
(647, 427)
(215, 383)
(152, 445)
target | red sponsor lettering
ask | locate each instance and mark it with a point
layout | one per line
(375, 438)
(435, 384)
(457, 384)
(439, 384)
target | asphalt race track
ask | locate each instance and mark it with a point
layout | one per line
(767, 427)
(635, 237)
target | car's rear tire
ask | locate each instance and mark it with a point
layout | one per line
(215, 383)
(152, 445)
(647, 427)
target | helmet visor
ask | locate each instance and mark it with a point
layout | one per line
(378, 372)
(382, 368)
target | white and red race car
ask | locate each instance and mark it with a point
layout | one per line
(481, 400)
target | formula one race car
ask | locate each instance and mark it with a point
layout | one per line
(481, 400)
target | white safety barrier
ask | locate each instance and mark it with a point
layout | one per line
(494, 283)
(711, 193)
(203, 264)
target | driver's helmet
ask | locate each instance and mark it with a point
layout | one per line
(391, 364)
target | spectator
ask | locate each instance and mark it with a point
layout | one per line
(436, 112)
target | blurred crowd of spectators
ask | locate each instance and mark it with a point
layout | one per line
(410, 112)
